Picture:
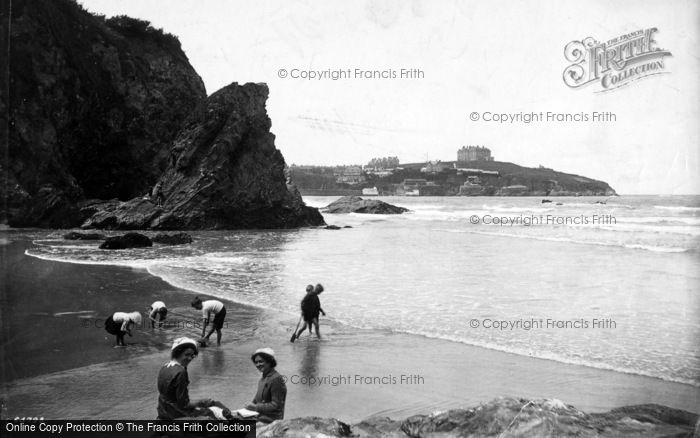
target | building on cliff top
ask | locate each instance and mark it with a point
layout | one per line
(474, 153)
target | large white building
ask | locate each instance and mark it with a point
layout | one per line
(474, 153)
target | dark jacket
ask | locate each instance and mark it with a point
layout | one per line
(270, 398)
(310, 306)
(174, 397)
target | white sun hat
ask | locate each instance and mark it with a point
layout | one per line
(184, 340)
(267, 350)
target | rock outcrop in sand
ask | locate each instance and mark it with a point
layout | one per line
(504, 417)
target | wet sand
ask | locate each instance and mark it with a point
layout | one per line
(65, 367)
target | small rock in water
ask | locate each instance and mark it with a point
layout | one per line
(129, 240)
(355, 204)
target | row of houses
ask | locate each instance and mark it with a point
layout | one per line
(385, 167)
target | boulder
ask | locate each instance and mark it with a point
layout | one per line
(355, 204)
(332, 227)
(83, 236)
(128, 240)
(224, 172)
(172, 239)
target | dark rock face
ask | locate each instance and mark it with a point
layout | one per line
(94, 104)
(84, 236)
(172, 239)
(128, 240)
(224, 172)
(500, 418)
(355, 204)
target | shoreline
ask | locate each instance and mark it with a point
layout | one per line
(282, 314)
(446, 374)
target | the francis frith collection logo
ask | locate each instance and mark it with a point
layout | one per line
(616, 62)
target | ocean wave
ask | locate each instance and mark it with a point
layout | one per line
(607, 205)
(533, 210)
(670, 220)
(653, 248)
(677, 208)
(658, 229)
(556, 357)
(132, 263)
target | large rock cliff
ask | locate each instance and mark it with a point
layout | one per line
(93, 104)
(93, 107)
(224, 172)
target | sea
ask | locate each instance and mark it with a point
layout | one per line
(610, 283)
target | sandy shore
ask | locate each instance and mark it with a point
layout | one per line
(59, 363)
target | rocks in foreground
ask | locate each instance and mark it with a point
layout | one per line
(128, 240)
(506, 417)
(355, 204)
(172, 239)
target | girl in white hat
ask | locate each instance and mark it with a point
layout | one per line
(272, 392)
(173, 381)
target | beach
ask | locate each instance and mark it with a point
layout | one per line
(59, 363)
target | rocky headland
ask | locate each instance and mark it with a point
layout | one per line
(504, 417)
(356, 204)
(100, 110)
(451, 178)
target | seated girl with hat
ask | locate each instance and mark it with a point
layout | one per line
(173, 381)
(272, 391)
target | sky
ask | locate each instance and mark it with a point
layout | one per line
(465, 62)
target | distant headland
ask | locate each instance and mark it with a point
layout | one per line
(474, 173)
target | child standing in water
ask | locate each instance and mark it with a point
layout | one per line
(310, 309)
(208, 308)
